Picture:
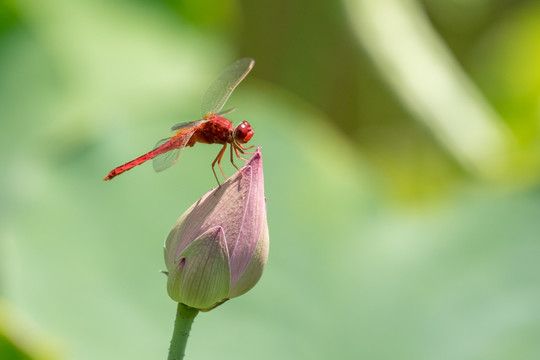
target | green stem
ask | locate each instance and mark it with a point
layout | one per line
(182, 325)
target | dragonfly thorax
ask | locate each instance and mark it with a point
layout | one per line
(243, 132)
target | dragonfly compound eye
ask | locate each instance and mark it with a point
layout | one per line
(244, 132)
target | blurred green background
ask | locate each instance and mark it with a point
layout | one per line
(400, 141)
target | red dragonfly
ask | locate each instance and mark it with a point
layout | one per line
(211, 129)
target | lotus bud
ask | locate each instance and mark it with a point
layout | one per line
(218, 248)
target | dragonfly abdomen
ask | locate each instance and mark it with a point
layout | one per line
(169, 145)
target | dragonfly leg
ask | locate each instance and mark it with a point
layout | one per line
(237, 149)
(242, 147)
(218, 160)
(232, 158)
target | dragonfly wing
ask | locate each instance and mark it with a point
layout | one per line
(185, 125)
(217, 94)
(225, 112)
(167, 159)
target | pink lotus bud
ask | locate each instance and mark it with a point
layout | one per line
(218, 248)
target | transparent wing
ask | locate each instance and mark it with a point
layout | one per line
(168, 158)
(225, 112)
(217, 94)
(188, 124)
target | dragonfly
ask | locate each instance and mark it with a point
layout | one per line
(212, 128)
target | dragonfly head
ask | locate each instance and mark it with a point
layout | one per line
(243, 132)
